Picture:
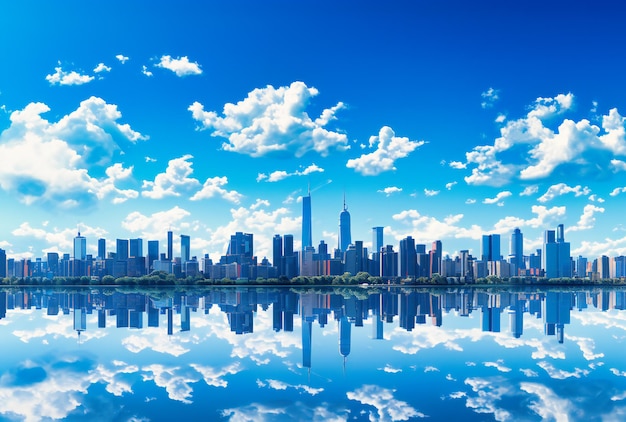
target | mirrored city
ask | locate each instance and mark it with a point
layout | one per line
(333, 353)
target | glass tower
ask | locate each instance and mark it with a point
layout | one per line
(307, 237)
(345, 239)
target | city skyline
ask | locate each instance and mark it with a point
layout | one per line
(442, 121)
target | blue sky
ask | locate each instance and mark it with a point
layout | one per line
(440, 120)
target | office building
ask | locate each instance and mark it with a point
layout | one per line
(136, 248)
(490, 248)
(121, 249)
(307, 229)
(516, 250)
(408, 257)
(153, 252)
(556, 260)
(170, 246)
(80, 247)
(435, 258)
(377, 239)
(102, 248)
(185, 248)
(345, 238)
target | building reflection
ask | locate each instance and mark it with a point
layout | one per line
(408, 308)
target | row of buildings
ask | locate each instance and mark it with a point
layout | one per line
(410, 259)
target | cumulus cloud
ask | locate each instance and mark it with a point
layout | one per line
(213, 187)
(617, 191)
(279, 175)
(587, 219)
(123, 59)
(152, 226)
(176, 177)
(429, 192)
(575, 148)
(101, 68)
(498, 198)
(61, 77)
(57, 239)
(562, 189)
(450, 185)
(273, 120)
(181, 66)
(389, 148)
(390, 190)
(48, 162)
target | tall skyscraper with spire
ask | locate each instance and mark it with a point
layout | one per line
(307, 229)
(345, 239)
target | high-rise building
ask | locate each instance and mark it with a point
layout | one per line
(185, 248)
(153, 252)
(377, 239)
(435, 258)
(516, 250)
(102, 248)
(556, 260)
(136, 247)
(277, 253)
(408, 257)
(80, 247)
(490, 248)
(121, 249)
(345, 238)
(3, 263)
(170, 245)
(307, 228)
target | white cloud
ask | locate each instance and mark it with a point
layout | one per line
(498, 198)
(618, 165)
(560, 374)
(429, 192)
(388, 407)
(389, 148)
(123, 59)
(529, 190)
(489, 392)
(501, 118)
(562, 189)
(550, 405)
(575, 148)
(58, 239)
(152, 226)
(176, 381)
(215, 377)
(390, 190)
(498, 365)
(145, 71)
(489, 97)
(279, 175)
(61, 77)
(273, 120)
(617, 191)
(587, 219)
(176, 177)
(150, 159)
(450, 185)
(458, 165)
(470, 201)
(101, 68)
(181, 65)
(50, 163)
(213, 187)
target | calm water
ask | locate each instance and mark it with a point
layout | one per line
(270, 354)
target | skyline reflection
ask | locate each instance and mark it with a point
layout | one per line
(336, 353)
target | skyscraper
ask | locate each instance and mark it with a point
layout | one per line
(121, 250)
(136, 247)
(408, 257)
(153, 252)
(435, 258)
(80, 247)
(490, 248)
(102, 248)
(277, 253)
(516, 250)
(307, 229)
(377, 239)
(556, 260)
(3, 263)
(185, 247)
(345, 238)
(170, 245)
